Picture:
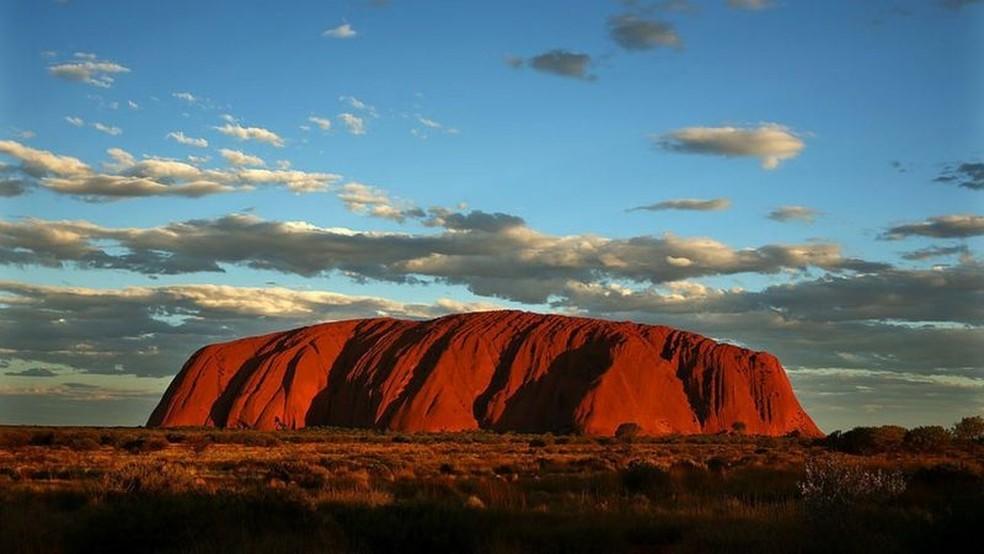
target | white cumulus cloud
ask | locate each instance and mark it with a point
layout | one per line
(771, 143)
(343, 31)
(322, 122)
(182, 138)
(251, 133)
(88, 70)
(108, 129)
(353, 124)
(237, 158)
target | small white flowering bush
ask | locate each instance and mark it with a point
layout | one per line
(830, 485)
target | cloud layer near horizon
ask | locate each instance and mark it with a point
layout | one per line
(895, 328)
(149, 331)
(491, 254)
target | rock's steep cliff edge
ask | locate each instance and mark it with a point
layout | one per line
(503, 370)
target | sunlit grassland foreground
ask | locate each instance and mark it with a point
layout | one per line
(331, 490)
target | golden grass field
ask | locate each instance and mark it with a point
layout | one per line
(331, 490)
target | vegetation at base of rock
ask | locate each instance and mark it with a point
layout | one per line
(346, 490)
(628, 431)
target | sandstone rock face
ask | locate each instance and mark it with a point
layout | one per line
(502, 370)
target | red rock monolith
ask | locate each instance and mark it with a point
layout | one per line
(499, 370)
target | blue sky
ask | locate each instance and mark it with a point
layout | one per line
(882, 99)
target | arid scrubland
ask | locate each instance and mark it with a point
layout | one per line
(333, 490)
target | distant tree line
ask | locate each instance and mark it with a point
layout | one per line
(893, 438)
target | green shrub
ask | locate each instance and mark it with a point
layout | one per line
(931, 438)
(244, 437)
(144, 443)
(199, 443)
(970, 428)
(43, 438)
(628, 431)
(867, 440)
(260, 439)
(304, 475)
(82, 443)
(13, 438)
(150, 478)
(504, 469)
(718, 464)
(542, 441)
(647, 479)
(109, 438)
